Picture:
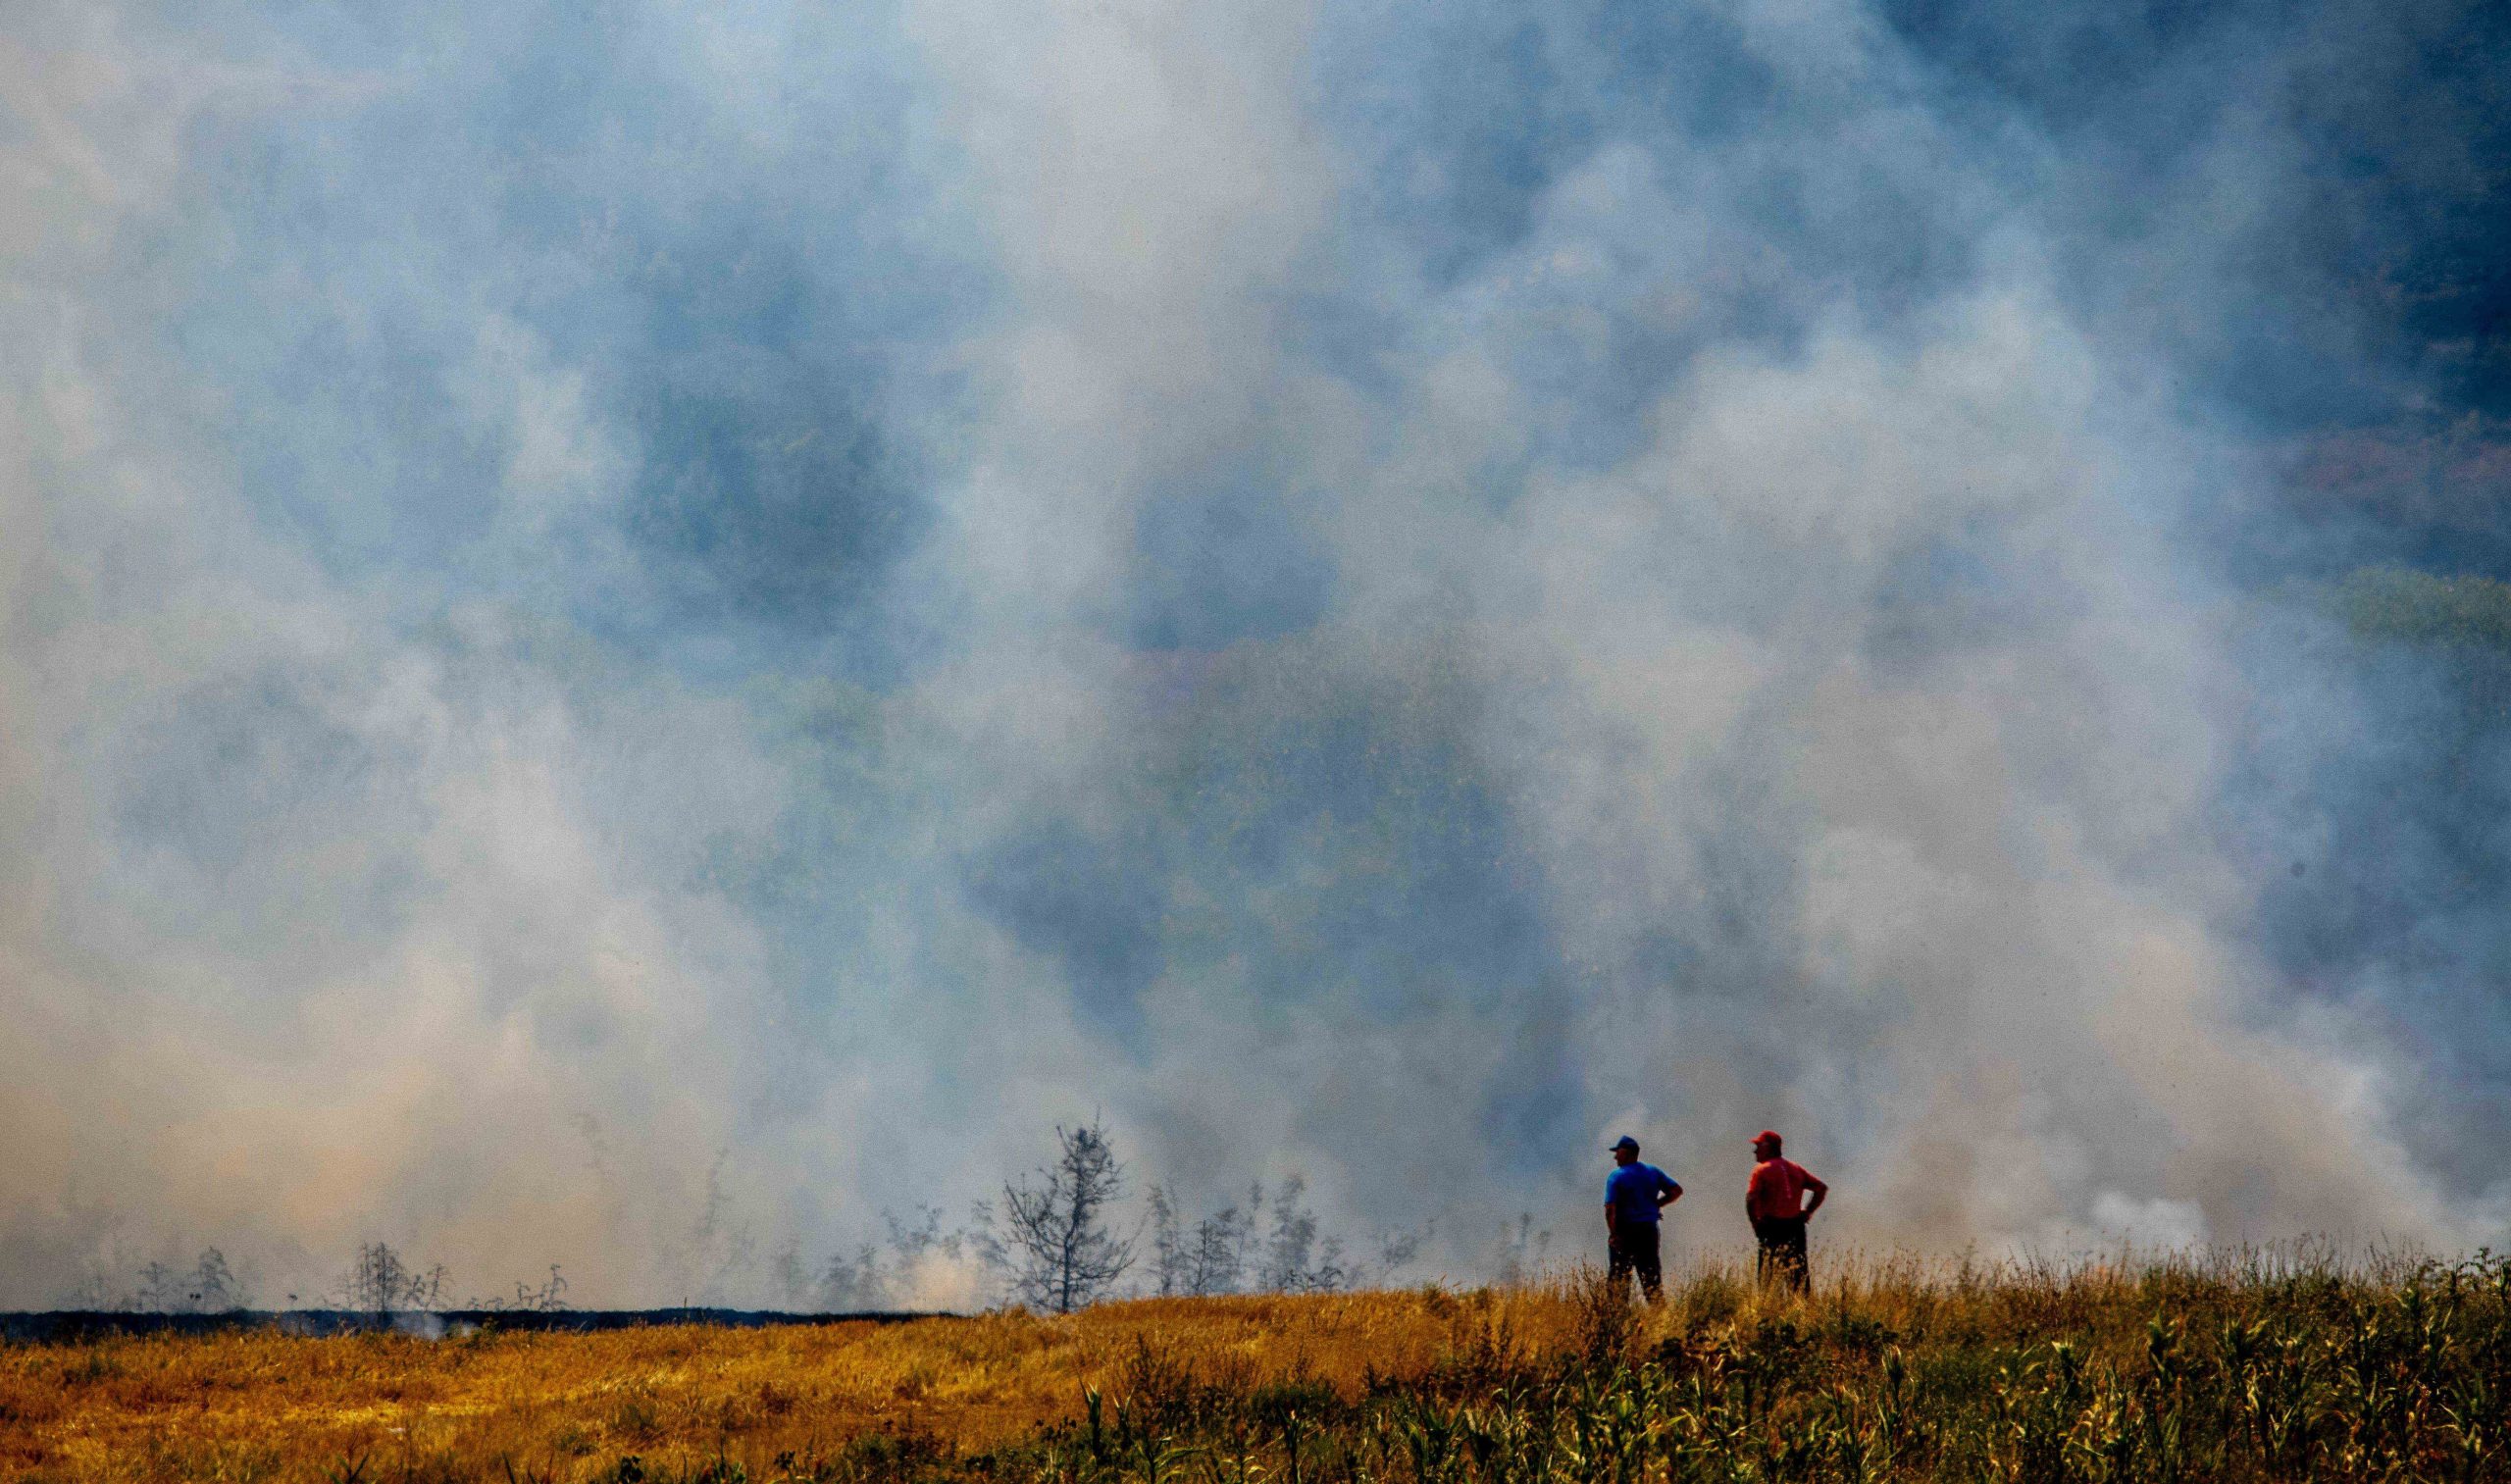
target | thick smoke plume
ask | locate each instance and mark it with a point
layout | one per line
(633, 632)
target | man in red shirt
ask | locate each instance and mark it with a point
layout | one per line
(1775, 1199)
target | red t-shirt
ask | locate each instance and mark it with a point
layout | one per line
(1777, 1190)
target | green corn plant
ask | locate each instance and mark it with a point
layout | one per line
(2106, 1436)
(2164, 1455)
(1429, 1440)
(2278, 1399)
(1094, 1412)
(1293, 1439)
(1157, 1457)
(1886, 1440)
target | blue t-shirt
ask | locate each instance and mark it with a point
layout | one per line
(1633, 1189)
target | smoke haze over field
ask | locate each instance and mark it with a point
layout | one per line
(631, 632)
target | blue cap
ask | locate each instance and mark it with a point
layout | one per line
(1625, 1141)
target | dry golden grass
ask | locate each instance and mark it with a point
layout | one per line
(260, 1405)
(2239, 1365)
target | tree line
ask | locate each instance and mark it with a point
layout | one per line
(378, 1282)
(1063, 1237)
(1067, 1234)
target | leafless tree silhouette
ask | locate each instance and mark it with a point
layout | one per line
(1061, 1253)
(1296, 1260)
(381, 1284)
(1208, 1257)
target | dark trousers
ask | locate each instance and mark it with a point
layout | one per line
(1782, 1254)
(1634, 1251)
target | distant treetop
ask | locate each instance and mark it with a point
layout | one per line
(2422, 608)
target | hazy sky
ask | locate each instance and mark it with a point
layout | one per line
(630, 632)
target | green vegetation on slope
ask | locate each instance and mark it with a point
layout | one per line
(2402, 603)
(2168, 1374)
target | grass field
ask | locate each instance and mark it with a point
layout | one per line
(2234, 1367)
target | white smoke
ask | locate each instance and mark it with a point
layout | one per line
(1342, 698)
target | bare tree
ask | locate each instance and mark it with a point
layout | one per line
(1396, 1246)
(381, 1284)
(864, 1279)
(215, 1287)
(1296, 1260)
(209, 1287)
(912, 1241)
(161, 1290)
(1209, 1257)
(1061, 1253)
(548, 1297)
(1170, 1257)
(1218, 1261)
(715, 1257)
(856, 1283)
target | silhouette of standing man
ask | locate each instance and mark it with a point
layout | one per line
(1775, 1199)
(1636, 1196)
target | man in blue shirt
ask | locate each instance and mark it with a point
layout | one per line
(1636, 1196)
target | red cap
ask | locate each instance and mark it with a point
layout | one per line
(1765, 1136)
